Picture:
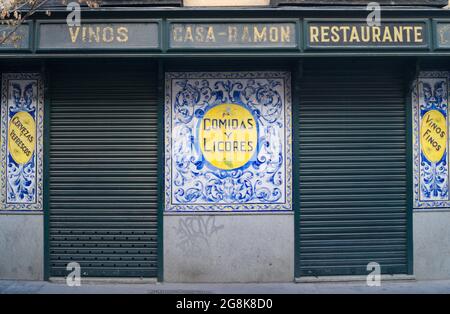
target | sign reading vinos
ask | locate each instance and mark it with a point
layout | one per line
(93, 35)
(228, 141)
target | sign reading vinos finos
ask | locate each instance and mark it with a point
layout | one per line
(433, 135)
(228, 141)
(430, 141)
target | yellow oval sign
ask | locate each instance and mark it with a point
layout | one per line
(228, 136)
(22, 137)
(433, 135)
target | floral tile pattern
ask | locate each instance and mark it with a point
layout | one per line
(21, 166)
(195, 183)
(430, 172)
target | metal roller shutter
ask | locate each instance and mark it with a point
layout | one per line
(103, 170)
(352, 169)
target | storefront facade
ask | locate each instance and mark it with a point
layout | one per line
(266, 144)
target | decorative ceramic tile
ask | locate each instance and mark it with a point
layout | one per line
(22, 118)
(228, 141)
(431, 140)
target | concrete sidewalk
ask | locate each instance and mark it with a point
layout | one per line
(411, 286)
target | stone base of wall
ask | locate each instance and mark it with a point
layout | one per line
(432, 244)
(231, 248)
(22, 247)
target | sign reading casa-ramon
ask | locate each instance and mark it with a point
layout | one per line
(223, 35)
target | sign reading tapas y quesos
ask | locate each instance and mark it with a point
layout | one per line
(138, 35)
(358, 34)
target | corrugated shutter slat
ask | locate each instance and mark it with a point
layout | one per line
(103, 170)
(352, 161)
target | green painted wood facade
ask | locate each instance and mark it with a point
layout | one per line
(433, 54)
(436, 33)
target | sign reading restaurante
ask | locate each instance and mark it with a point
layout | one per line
(359, 34)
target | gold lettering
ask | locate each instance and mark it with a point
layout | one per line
(108, 34)
(188, 34)
(273, 34)
(376, 34)
(84, 34)
(246, 35)
(232, 33)
(408, 30)
(365, 34)
(314, 34)
(354, 37)
(74, 34)
(176, 34)
(418, 34)
(335, 34)
(210, 35)
(200, 34)
(398, 34)
(325, 34)
(345, 30)
(259, 36)
(94, 35)
(285, 34)
(122, 34)
(387, 35)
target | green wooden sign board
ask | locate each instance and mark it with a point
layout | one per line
(351, 34)
(251, 34)
(442, 34)
(17, 39)
(96, 35)
(290, 35)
